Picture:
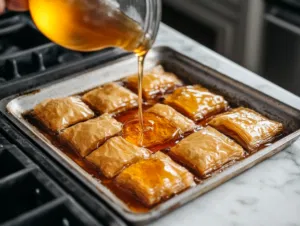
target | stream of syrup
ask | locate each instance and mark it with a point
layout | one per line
(141, 60)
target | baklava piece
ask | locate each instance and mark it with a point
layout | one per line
(206, 151)
(155, 82)
(60, 113)
(111, 98)
(196, 102)
(115, 155)
(247, 127)
(177, 119)
(157, 130)
(155, 179)
(88, 136)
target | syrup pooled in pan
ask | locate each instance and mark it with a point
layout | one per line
(156, 130)
(130, 121)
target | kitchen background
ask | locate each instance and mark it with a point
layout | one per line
(261, 35)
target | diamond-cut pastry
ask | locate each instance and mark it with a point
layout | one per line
(155, 83)
(196, 102)
(206, 151)
(247, 127)
(157, 130)
(111, 98)
(155, 179)
(88, 136)
(176, 118)
(60, 113)
(116, 154)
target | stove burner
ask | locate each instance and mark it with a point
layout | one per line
(12, 21)
(69, 57)
(11, 67)
(23, 37)
(6, 49)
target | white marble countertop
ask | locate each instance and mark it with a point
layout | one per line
(267, 194)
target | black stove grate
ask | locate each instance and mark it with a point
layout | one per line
(29, 197)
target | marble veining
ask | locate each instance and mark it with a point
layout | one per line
(267, 194)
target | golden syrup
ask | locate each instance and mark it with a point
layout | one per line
(157, 130)
(88, 25)
(141, 60)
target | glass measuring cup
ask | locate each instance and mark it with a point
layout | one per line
(89, 25)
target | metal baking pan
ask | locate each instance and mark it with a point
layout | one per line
(191, 72)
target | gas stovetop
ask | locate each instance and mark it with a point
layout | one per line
(34, 190)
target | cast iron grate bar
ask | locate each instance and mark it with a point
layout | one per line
(59, 212)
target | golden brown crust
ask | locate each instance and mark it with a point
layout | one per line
(88, 136)
(249, 128)
(111, 98)
(60, 113)
(155, 179)
(177, 119)
(155, 83)
(116, 154)
(157, 130)
(206, 151)
(196, 102)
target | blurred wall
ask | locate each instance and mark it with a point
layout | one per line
(232, 28)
